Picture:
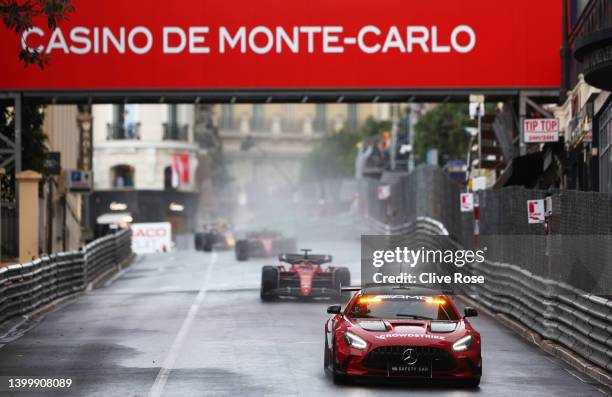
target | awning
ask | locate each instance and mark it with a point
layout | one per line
(115, 218)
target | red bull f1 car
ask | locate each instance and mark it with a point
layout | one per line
(303, 276)
(402, 333)
(263, 244)
(216, 236)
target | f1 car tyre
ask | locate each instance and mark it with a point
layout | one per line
(338, 379)
(207, 243)
(269, 283)
(198, 242)
(472, 383)
(242, 250)
(342, 277)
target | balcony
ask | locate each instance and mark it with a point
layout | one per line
(281, 124)
(116, 131)
(176, 132)
(591, 42)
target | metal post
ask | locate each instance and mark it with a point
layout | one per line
(1, 177)
(565, 52)
(468, 168)
(393, 148)
(522, 116)
(411, 135)
(17, 169)
(18, 128)
(479, 139)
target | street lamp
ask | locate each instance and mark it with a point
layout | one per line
(472, 133)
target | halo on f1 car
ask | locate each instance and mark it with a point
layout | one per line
(303, 276)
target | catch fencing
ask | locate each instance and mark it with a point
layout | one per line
(28, 286)
(554, 284)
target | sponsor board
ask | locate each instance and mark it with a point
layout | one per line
(541, 130)
(384, 192)
(535, 211)
(151, 238)
(467, 202)
(315, 44)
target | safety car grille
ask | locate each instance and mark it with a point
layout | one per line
(381, 357)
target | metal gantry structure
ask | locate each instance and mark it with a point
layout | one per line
(10, 157)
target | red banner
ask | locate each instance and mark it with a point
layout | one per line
(274, 44)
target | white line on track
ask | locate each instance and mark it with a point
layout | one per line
(168, 364)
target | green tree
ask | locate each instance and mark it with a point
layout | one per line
(443, 128)
(334, 155)
(18, 16)
(33, 139)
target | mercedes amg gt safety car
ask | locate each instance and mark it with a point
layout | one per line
(263, 244)
(217, 236)
(303, 276)
(402, 333)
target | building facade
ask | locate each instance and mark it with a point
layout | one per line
(61, 211)
(586, 115)
(265, 144)
(145, 164)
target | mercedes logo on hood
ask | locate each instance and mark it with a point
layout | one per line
(409, 356)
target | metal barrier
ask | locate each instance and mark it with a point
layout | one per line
(555, 310)
(28, 286)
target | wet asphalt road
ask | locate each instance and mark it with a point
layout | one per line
(192, 324)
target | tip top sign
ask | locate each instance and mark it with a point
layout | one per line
(541, 130)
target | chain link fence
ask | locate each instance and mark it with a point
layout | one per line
(577, 250)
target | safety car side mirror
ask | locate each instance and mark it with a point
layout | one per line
(334, 309)
(470, 312)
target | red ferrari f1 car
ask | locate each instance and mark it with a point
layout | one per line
(303, 276)
(262, 244)
(402, 333)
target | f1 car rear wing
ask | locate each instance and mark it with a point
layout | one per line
(297, 258)
(350, 288)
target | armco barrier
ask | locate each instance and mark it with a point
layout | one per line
(556, 311)
(28, 286)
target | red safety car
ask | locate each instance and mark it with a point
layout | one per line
(303, 276)
(402, 333)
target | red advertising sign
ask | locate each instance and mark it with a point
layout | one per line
(541, 130)
(275, 44)
(467, 202)
(535, 211)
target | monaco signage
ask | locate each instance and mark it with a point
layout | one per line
(316, 44)
(541, 130)
(151, 238)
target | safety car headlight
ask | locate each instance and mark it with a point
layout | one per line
(355, 341)
(463, 344)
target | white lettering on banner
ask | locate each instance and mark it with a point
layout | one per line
(369, 39)
(182, 37)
